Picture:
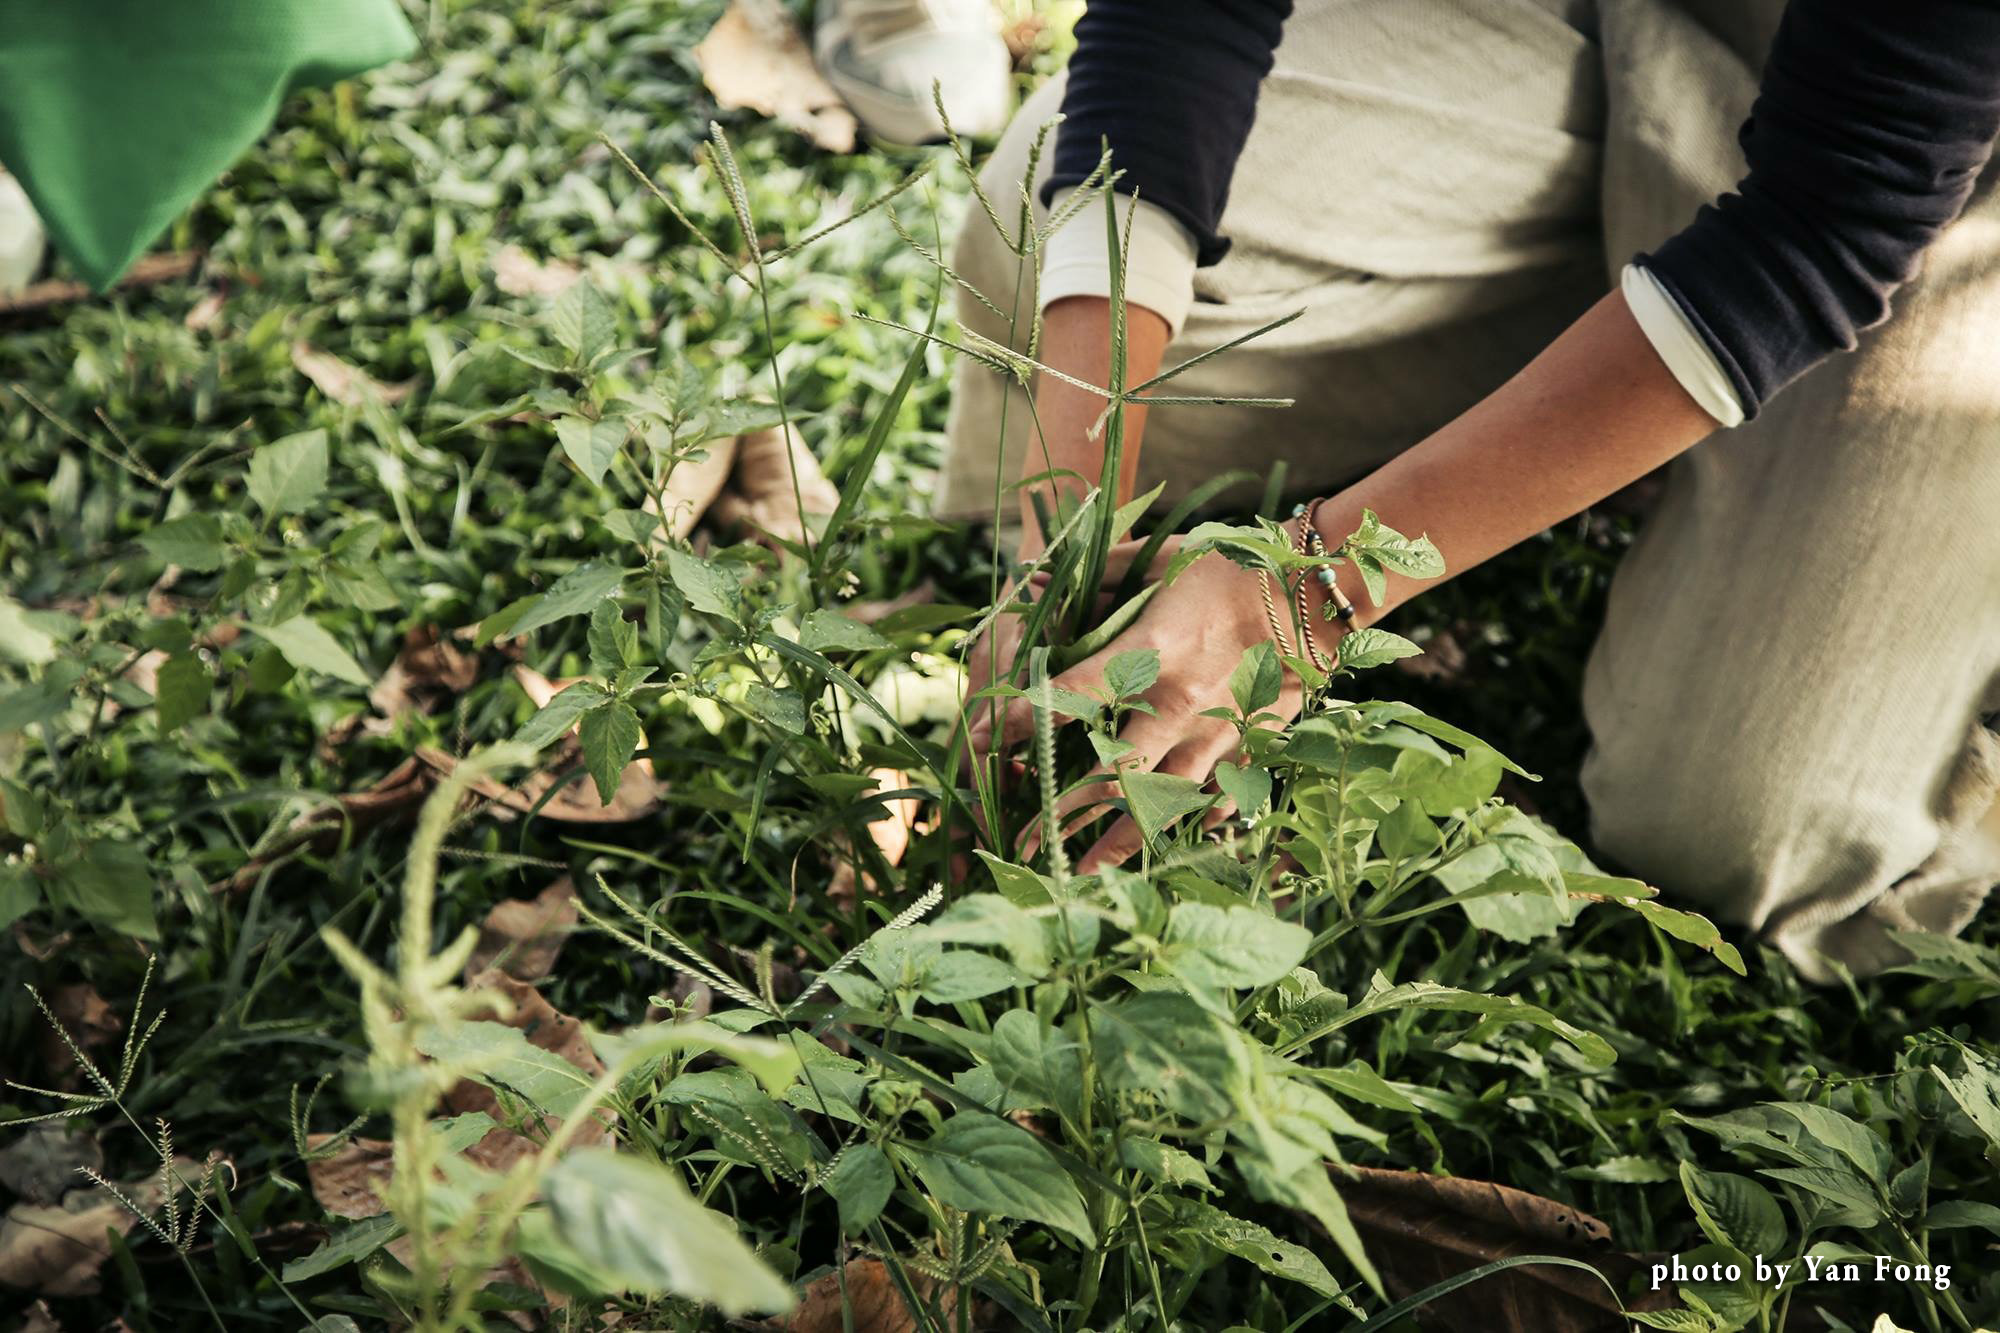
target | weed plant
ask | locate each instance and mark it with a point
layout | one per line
(1037, 1098)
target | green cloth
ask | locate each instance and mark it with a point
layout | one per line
(116, 114)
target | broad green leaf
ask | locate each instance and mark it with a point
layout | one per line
(20, 893)
(632, 525)
(635, 1219)
(591, 445)
(1690, 927)
(997, 921)
(43, 701)
(1167, 1045)
(1017, 884)
(21, 638)
(1843, 1188)
(1258, 679)
(979, 1164)
(1133, 672)
(1038, 1066)
(1956, 1213)
(344, 1247)
(860, 1183)
(774, 1063)
(180, 692)
(109, 883)
(706, 585)
(502, 1057)
(1164, 1163)
(288, 476)
(1854, 1141)
(1248, 1241)
(958, 975)
(614, 640)
(1493, 1009)
(783, 709)
(582, 322)
(1249, 788)
(1624, 1169)
(1734, 1210)
(310, 648)
(1364, 648)
(559, 714)
(1977, 1093)
(1236, 947)
(609, 736)
(192, 541)
(1407, 832)
(574, 593)
(1158, 799)
(829, 631)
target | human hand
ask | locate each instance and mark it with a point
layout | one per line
(1200, 624)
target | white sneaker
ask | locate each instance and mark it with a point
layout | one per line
(21, 239)
(882, 56)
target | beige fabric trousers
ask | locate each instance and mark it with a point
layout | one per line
(1787, 697)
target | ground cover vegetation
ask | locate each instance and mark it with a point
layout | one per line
(448, 887)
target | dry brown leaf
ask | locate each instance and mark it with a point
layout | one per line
(56, 1249)
(203, 313)
(90, 1022)
(40, 1166)
(428, 670)
(349, 1182)
(760, 491)
(522, 936)
(350, 386)
(755, 57)
(519, 273)
(891, 836)
(1421, 1229)
(549, 1029)
(694, 484)
(878, 1307)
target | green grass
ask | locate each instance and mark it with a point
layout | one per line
(367, 226)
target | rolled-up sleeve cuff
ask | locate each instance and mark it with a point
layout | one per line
(1159, 268)
(1680, 345)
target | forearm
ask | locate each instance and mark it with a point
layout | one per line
(1076, 339)
(1595, 411)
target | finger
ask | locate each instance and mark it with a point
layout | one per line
(1194, 760)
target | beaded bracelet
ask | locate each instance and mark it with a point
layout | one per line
(1308, 542)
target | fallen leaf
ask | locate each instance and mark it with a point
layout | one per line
(755, 57)
(349, 1181)
(90, 1022)
(203, 313)
(549, 1029)
(1421, 1229)
(891, 836)
(871, 1293)
(694, 484)
(56, 1249)
(761, 491)
(522, 936)
(40, 1166)
(350, 386)
(519, 273)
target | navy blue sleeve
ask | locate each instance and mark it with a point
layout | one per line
(1172, 86)
(1869, 130)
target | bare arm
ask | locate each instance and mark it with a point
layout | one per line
(1596, 410)
(1076, 339)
